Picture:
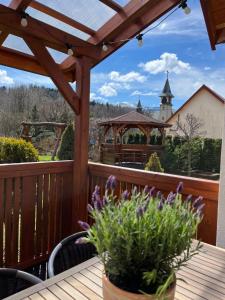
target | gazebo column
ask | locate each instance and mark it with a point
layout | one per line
(220, 237)
(80, 168)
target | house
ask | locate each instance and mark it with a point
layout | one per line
(208, 107)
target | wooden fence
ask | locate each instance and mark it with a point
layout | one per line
(35, 214)
(128, 178)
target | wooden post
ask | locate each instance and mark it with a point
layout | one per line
(80, 169)
(220, 236)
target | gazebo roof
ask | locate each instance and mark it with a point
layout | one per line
(134, 118)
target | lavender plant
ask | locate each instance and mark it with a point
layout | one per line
(143, 238)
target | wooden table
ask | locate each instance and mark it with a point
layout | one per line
(204, 276)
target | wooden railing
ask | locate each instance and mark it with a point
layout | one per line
(36, 204)
(128, 178)
(35, 214)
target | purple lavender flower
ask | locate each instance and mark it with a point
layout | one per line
(146, 189)
(140, 212)
(98, 205)
(170, 198)
(125, 195)
(104, 201)
(197, 202)
(96, 194)
(151, 191)
(158, 195)
(200, 209)
(89, 208)
(160, 205)
(189, 198)
(84, 225)
(145, 207)
(111, 183)
(180, 187)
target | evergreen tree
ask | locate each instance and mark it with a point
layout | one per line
(139, 107)
(154, 164)
(66, 148)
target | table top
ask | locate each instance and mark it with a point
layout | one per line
(204, 278)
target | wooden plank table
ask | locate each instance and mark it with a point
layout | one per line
(204, 278)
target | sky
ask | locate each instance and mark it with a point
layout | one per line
(180, 45)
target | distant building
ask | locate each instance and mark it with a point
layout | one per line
(206, 105)
(166, 102)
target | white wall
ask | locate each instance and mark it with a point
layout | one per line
(208, 109)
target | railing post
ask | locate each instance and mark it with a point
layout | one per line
(220, 234)
(80, 169)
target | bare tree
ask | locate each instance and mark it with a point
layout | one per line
(190, 128)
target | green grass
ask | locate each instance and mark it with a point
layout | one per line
(46, 158)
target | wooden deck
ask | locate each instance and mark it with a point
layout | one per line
(204, 278)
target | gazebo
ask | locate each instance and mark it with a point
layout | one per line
(119, 151)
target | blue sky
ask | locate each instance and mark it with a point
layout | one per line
(180, 45)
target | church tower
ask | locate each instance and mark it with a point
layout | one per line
(166, 102)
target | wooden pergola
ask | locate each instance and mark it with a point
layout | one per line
(127, 21)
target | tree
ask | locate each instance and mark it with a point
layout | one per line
(139, 108)
(154, 164)
(190, 129)
(66, 147)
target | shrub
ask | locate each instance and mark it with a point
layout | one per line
(66, 147)
(154, 164)
(13, 150)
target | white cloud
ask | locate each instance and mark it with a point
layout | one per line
(125, 104)
(129, 77)
(4, 78)
(207, 68)
(94, 97)
(166, 62)
(139, 93)
(107, 90)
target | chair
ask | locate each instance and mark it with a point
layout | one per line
(68, 254)
(13, 281)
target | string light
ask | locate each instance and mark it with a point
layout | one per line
(185, 7)
(139, 38)
(23, 20)
(70, 51)
(104, 47)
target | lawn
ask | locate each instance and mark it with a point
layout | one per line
(46, 158)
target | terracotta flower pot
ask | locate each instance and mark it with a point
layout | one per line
(111, 292)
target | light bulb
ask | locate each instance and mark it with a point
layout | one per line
(104, 47)
(140, 40)
(187, 10)
(70, 51)
(24, 21)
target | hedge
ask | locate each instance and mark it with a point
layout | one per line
(13, 150)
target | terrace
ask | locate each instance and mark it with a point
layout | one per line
(42, 202)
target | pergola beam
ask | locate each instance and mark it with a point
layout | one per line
(209, 23)
(19, 60)
(112, 4)
(19, 5)
(57, 76)
(51, 36)
(61, 17)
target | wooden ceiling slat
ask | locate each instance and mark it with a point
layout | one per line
(51, 36)
(59, 16)
(112, 4)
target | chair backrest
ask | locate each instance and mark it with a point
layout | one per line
(13, 281)
(68, 254)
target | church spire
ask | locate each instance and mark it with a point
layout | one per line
(166, 101)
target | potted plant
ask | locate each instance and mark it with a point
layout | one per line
(142, 239)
